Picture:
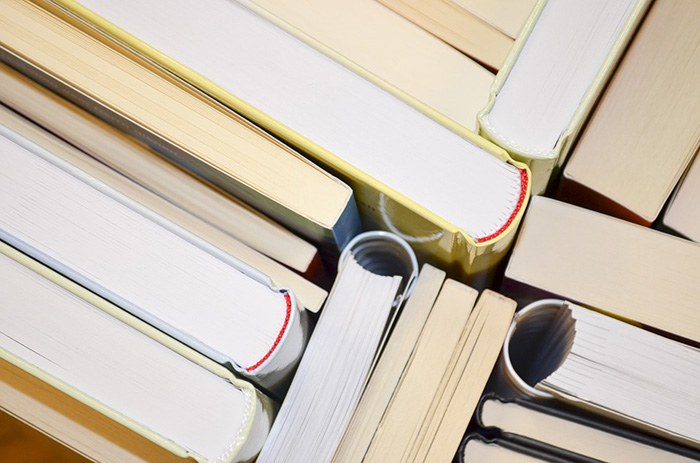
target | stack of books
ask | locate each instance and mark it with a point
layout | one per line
(254, 230)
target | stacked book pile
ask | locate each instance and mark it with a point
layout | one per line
(313, 231)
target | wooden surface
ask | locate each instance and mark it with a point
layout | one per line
(20, 443)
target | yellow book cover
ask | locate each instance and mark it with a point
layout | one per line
(433, 237)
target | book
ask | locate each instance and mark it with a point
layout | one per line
(508, 16)
(57, 419)
(446, 375)
(680, 212)
(316, 104)
(476, 447)
(624, 164)
(553, 76)
(613, 368)
(618, 267)
(310, 296)
(451, 22)
(390, 49)
(375, 272)
(134, 393)
(573, 433)
(142, 165)
(147, 265)
(180, 123)
(391, 366)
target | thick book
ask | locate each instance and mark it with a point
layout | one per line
(645, 131)
(553, 76)
(619, 267)
(610, 367)
(146, 264)
(103, 382)
(179, 122)
(376, 273)
(445, 377)
(43, 106)
(583, 437)
(393, 52)
(680, 215)
(454, 196)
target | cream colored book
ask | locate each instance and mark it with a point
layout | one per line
(392, 365)
(508, 16)
(553, 77)
(391, 49)
(477, 355)
(645, 131)
(180, 122)
(110, 386)
(462, 29)
(145, 167)
(621, 268)
(446, 375)
(146, 264)
(392, 154)
(310, 296)
(681, 212)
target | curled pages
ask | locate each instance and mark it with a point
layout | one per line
(610, 367)
(376, 272)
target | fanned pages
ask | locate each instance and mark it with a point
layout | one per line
(393, 363)
(552, 78)
(454, 196)
(179, 122)
(150, 267)
(79, 344)
(375, 272)
(392, 51)
(603, 364)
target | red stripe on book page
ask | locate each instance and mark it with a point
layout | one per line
(523, 191)
(288, 299)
